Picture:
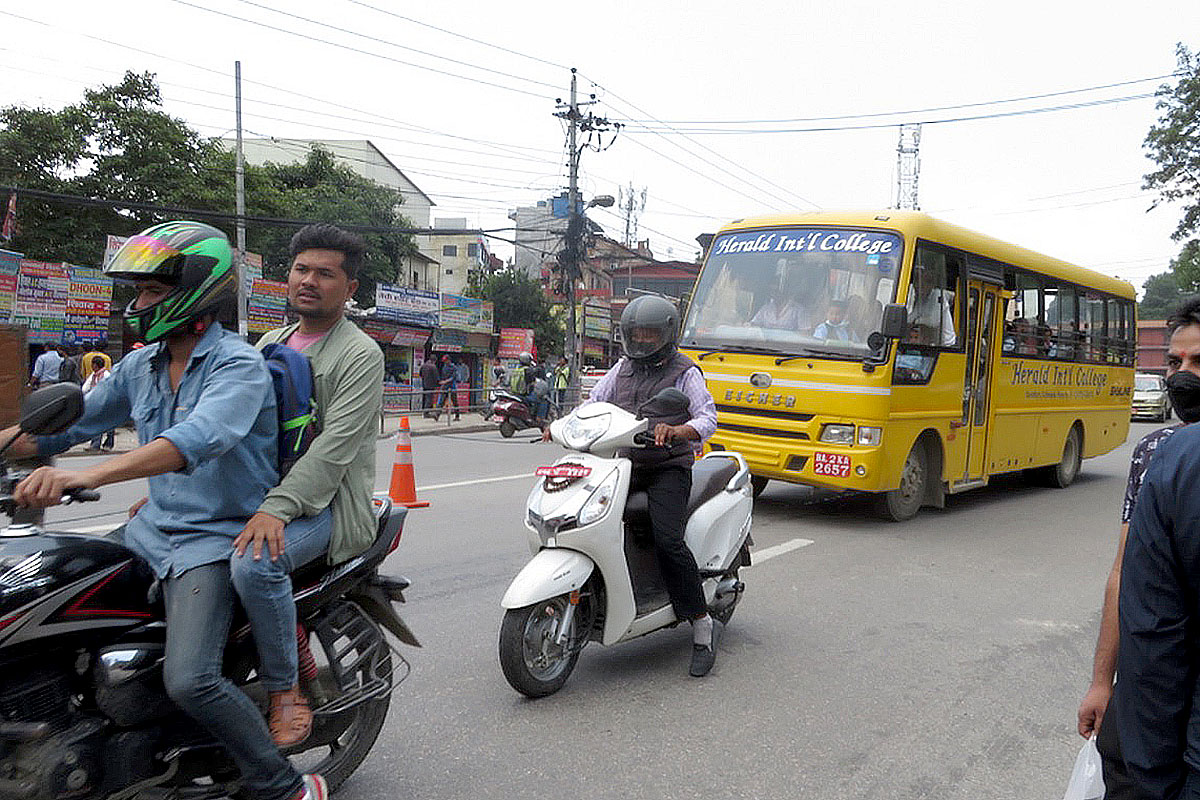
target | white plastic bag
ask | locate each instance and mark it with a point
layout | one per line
(1087, 779)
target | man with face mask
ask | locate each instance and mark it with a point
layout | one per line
(1183, 387)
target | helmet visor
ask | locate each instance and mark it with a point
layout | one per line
(142, 255)
(641, 341)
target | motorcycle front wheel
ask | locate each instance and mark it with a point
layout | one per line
(534, 662)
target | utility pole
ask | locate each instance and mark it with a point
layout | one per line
(908, 166)
(572, 253)
(241, 208)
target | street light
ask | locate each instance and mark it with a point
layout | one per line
(602, 200)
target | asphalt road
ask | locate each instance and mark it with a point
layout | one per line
(943, 657)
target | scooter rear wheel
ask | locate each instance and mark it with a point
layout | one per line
(534, 662)
(507, 429)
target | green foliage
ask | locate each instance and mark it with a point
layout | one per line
(118, 143)
(1174, 142)
(1186, 267)
(1161, 293)
(519, 302)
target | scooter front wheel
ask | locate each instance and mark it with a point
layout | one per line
(538, 650)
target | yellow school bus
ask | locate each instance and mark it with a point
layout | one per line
(890, 352)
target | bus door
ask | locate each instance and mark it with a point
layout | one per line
(983, 301)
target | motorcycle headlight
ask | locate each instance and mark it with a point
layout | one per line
(579, 433)
(837, 434)
(601, 500)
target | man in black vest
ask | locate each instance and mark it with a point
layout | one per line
(649, 328)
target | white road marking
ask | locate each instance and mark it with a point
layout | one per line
(759, 556)
(90, 529)
(526, 475)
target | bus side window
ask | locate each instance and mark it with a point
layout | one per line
(1115, 343)
(1130, 333)
(1061, 331)
(1092, 328)
(1023, 318)
(932, 299)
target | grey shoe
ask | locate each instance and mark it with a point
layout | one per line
(703, 658)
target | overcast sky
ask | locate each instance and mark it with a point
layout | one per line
(483, 140)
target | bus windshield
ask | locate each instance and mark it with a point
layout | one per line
(794, 290)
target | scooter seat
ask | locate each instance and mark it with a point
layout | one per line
(709, 477)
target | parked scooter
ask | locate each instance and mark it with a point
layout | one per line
(83, 710)
(594, 575)
(515, 415)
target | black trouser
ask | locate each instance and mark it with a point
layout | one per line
(1117, 783)
(667, 490)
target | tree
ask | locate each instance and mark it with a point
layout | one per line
(1174, 143)
(519, 302)
(1186, 267)
(1161, 294)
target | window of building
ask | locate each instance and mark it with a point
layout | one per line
(473, 250)
(450, 250)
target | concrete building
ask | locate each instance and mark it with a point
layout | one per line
(538, 236)
(458, 255)
(360, 155)
(1152, 339)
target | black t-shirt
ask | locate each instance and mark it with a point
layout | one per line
(1138, 465)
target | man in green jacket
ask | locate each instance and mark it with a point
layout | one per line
(338, 469)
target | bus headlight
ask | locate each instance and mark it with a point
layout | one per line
(869, 436)
(837, 434)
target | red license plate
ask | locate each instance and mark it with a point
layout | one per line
(564, 471)
(835, 465)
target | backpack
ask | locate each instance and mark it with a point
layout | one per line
(295, 402)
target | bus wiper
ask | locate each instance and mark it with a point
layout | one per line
(809, 352)
(737, 348)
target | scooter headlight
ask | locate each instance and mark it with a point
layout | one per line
(601, 499)
(580, 433)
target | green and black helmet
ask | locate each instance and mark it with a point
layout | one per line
(193, 257)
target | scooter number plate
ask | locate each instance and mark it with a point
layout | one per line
(564, 471)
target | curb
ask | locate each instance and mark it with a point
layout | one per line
(476, 428)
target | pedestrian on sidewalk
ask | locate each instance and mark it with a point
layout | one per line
(562, 379)
(449, 388)
(46, 366)
(429, 385)
(98, 372)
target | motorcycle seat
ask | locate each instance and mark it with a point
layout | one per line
(709, 478)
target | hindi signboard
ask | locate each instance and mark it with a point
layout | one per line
(40, 303)
(10, 265)
(266, 306)
(466, 313)
(514, 341)
(410, 306)
(89, 299)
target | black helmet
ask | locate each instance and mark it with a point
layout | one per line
(654, 313)
(525, 359)
(193, 257)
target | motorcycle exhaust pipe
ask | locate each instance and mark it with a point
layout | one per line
(24, 732)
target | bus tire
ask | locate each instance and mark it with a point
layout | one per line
(757, 484)
(906, 500)
(1064, 473)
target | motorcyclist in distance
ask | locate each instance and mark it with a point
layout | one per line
(204, 408)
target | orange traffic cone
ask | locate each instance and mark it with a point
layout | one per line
(403, 489)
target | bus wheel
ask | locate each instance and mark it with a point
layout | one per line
(1063, 474)
(904, 502)
(757, 484)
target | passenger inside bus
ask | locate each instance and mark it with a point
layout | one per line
(931, 303)
(835, 327)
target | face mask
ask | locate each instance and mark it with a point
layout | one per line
(1184, 390)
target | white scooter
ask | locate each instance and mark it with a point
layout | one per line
(594, 574)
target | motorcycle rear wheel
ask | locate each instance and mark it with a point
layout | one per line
(533, 662)
(353, 732)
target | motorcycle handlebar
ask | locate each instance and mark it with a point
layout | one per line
(81, 496)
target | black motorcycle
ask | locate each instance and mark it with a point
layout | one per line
(83, 711)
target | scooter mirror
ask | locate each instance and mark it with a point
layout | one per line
(667, 403)
(51, 409)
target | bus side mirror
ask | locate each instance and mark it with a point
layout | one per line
(895, 321)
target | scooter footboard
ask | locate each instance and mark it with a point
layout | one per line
(548, 574)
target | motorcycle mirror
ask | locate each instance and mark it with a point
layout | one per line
(667, 403)
(51, 409)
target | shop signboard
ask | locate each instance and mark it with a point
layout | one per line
(252, 271)
(449, 341)
(266, 307)
(410, 337)
(88, 302)
(410, 306)
(10, 265)
(111, 245)
(597, 321)
(379, 330)
(465, 313)
(40, 302)
(514, 341)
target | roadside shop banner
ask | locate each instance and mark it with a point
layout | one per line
(449, 341)
(411, 306)
(266, 307)
(40, 303)
(88, 302)
(514, 341)
(410, 337)
(111, 245)
(465, 313)
(10, 265)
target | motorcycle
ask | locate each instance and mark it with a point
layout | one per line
(594, 575)
(515, 415)
(83, 710)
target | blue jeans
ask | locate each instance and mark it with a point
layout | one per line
(265, 589)
(199, 605)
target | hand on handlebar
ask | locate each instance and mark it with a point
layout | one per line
(46, 486)
(546, 433)
(665, 434)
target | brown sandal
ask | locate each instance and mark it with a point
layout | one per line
(290, 718)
